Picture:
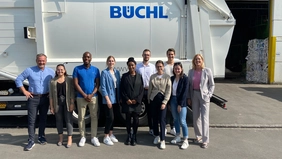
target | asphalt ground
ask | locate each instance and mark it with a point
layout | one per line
(250, 128)
(249, 105)
(225, 143)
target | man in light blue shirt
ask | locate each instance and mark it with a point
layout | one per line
(146, 69)
(37, 94)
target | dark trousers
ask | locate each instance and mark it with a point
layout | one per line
(169, 118)
(158, 116)
(148, 109)
(60, 115)
(135, 123)
(34, 105)
(109, 117)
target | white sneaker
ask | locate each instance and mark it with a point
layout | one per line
(95, 141)
(162, 145)
(176, 140)
(185, 144)
(157, 140)
(108, 141)
(172, 131)
(113, 138)
(82, 142)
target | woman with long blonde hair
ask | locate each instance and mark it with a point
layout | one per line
(201, 87)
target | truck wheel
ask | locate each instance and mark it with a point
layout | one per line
(143, 120)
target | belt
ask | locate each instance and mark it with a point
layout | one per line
(40, 95)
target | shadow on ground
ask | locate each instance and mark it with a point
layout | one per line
(274, 93)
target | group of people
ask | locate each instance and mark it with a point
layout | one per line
(163, 87)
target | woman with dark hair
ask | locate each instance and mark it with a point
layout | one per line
(201, 87)
(158, 94)
(178, 104)
(61, 96)
(110, 81)
(131, 94)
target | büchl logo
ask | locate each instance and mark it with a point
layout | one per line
(139, 12)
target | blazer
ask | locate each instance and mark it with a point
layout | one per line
(53, 94)
(162, 86)
(131, 90)
(206, 84)
(107, 86)
(181, 90)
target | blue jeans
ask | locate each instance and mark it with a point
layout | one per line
(34, 105)
(179, 118)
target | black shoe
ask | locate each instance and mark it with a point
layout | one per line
(133, 140)
(128, 139)
(42, 140)
(29, 146)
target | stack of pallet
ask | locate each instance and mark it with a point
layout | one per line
(257, 65)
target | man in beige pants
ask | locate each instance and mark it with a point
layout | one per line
(87, 81)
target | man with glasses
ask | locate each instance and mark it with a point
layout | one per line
(146, 69)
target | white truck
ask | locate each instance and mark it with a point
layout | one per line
(64, 29)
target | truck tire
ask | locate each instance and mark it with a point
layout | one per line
(143, 119)
(87, 117)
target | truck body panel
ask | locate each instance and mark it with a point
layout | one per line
(64, 29)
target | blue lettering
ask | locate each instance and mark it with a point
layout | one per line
(137, 12)
(130, 11)
(149, 12)
(115, 12)
(161, 12)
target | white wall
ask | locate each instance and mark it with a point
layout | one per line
(277, 32)
(66, 30)
(19, 52)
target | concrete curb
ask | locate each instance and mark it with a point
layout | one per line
(245, 126)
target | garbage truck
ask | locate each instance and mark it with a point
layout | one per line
(65, 29)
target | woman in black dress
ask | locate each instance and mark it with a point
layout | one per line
(131, 94)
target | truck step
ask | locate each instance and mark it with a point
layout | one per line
(219, 101)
